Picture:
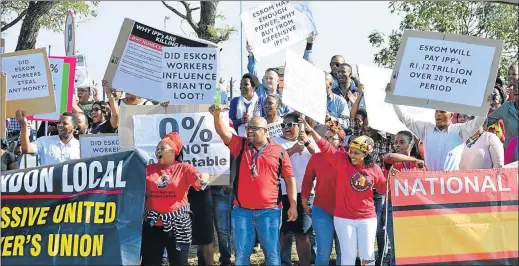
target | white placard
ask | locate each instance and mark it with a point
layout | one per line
(381, 115)
(303, 79)
(445, 71)
(26, 76)
(189, 75)
(202, 147)
(99, 144)
(275, 130)
(274, 26)
(56, 69)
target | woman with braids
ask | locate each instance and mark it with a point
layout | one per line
(105, 117)
(357, 175)
(167, 215)
(318, 170)
(407, 157)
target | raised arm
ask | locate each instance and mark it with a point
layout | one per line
(392, 158)
(251, 64)
(356, 104)
(308, 50)
(27, 148)
(221, 128)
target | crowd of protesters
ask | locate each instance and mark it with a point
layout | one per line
(324, 185)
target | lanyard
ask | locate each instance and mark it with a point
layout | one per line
(255, 156)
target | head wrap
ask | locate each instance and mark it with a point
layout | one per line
(363, 143)
(334, 127)
(173, 140)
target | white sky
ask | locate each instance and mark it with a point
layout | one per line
(343, 29)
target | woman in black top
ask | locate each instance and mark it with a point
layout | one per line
(105, 117)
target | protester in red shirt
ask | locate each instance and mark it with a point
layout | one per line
(167, 221)
(318, 169)
(406, 158)
(355, 218)
(260, 165)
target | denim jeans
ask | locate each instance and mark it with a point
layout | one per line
(382, 238)
(222, 204)
(322, 223)
(246, 224)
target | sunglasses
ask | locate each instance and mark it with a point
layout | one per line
(289, 124)
(336, 64)
(253, 128)
(95, 109)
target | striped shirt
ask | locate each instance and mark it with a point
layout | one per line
(179, 222)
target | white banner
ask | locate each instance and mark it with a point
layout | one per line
(381, 115)
(301, 80)
(274, 26)
(98, 144)
(202, 147)
(189, 75)
(275, 130)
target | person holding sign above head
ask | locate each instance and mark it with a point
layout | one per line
(52, 149)
(243, 108)
(260, 165)
(355, 218)
(167, 215)
(443, 141)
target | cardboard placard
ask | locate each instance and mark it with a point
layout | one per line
(3, 105)
(44, 102)
(135, 65)
(445, 71)
(126, 134)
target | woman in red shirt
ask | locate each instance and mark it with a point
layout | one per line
(357, 175)
(167, 220)
(318, 168)
(406, 158)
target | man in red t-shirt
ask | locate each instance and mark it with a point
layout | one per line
(260, 165)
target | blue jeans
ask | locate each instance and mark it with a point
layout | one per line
(322, 222)
(246, 224)
(222, 204)
(390, 237)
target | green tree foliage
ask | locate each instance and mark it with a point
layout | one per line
(35, 15)
(205, 28)
(480, 19)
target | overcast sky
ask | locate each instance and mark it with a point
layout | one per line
(343, 28)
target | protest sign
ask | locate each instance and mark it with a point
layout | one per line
(381, 115)
(98, 144)
(466, 216)
(82, 212)
(275, 130)
(444, 71)
(189, 74)
(202, 147)
(3, 105)
(64, 94)
(30, 82)
(274, 26)
(302, 79)
(136, 62)
(70, 34)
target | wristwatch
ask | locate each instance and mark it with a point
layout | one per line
(307, 143)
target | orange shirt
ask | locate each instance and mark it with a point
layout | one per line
(167, 187)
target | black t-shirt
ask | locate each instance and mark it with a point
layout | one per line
(101, 128)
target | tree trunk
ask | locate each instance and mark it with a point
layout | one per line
(31, 26)
(207, 19)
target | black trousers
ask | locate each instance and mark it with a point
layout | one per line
(154, 240)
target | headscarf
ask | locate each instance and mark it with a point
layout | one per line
(173, 140)
(334, 127)
(363, 143)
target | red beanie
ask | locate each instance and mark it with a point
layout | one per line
(173, 140)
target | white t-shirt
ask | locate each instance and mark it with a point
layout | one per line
(299, 162)
(120, 102)
(486, 153)
(52, 151)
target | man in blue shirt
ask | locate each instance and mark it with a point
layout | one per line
(347, 87)
(336, 105)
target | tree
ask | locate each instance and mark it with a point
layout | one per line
(480, 19)
(40, 14)
(205, 28)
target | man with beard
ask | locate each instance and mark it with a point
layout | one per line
(260, 165)
(52, 149)
(347, 87)
(82, 123)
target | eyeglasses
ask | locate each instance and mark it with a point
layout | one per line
(253, 128)
(336, 64)
(289, 124)
(95, 109)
